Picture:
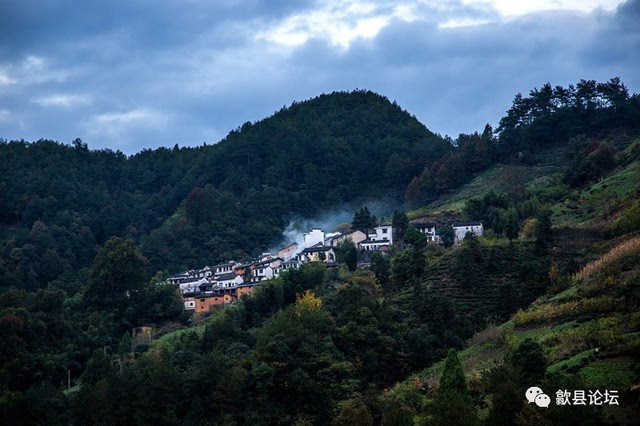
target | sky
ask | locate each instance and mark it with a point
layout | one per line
(134, 74)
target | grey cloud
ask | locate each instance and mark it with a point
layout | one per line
(164, 73)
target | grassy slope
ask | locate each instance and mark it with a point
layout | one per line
(499, 178)
(600, 199)
(585, 328)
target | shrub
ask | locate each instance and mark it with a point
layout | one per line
(626, 248)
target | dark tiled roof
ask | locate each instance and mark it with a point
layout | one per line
(190, 280)
(268, 261)
(226, 277)
(423, 225)
(459, 224)
(222, 265)
(316, 248)
(370, 241)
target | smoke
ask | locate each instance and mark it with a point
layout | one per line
(329, 220)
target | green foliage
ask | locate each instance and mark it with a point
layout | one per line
(381, 267)
(452, 379)
(364, 221)
(316, 346)
(447, 234)
(347, 253)
(117, 274)
(399, 223)
(530, 361)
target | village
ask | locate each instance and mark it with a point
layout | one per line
(223, 284)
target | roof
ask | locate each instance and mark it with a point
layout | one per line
(180, 275)
(317, 248)
(460, 224)
(290, 245)
(223, 264)
(249, 284)
(370, 241)
(424, 225)
(268, 261)
(226, 277)
(191, 280)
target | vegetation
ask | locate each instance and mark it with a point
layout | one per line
(428, 334)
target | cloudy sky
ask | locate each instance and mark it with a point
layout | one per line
(136, 74)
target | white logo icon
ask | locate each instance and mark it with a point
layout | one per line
(536, 395)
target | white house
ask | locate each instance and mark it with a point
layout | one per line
(384, 232)
(356, 237)
(189, 303)
(267, 268)
(223, 268)
(461, 229)
(313, 237)
(179, 278)
(229, 280)
(191, 285)
(428, 229)
(381, 239)
(315, 252)
(291, 263)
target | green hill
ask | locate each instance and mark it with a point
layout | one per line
(187, 207)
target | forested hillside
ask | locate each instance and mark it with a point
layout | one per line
(188, 207)
(86, 235)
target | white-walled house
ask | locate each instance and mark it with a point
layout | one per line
(229, 280)
(461, 229)
(289, 264)
(191, 285)
(314, 254)
(189, 303)
(380, 239)
(223, 268)
(267, 269)
(179, 278)
(355, 236)
(428, 229)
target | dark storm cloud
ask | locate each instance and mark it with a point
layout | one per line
(129, 75)
(457, 79)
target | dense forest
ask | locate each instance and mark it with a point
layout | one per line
(87, 239)
(190, 206)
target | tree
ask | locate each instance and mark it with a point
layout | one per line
(542, 231)
(117, 274)
(380, 265)
(399, 223)
(125, 345)
(363, 220)
(511, 228)
(353, 413)
(452, 404)
(447, 234)
(452, 379)
(530, 361)
(347, 253)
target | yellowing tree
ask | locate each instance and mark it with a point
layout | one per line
(307, 303)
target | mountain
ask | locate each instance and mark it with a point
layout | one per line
(435, 334)
(187, 207)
